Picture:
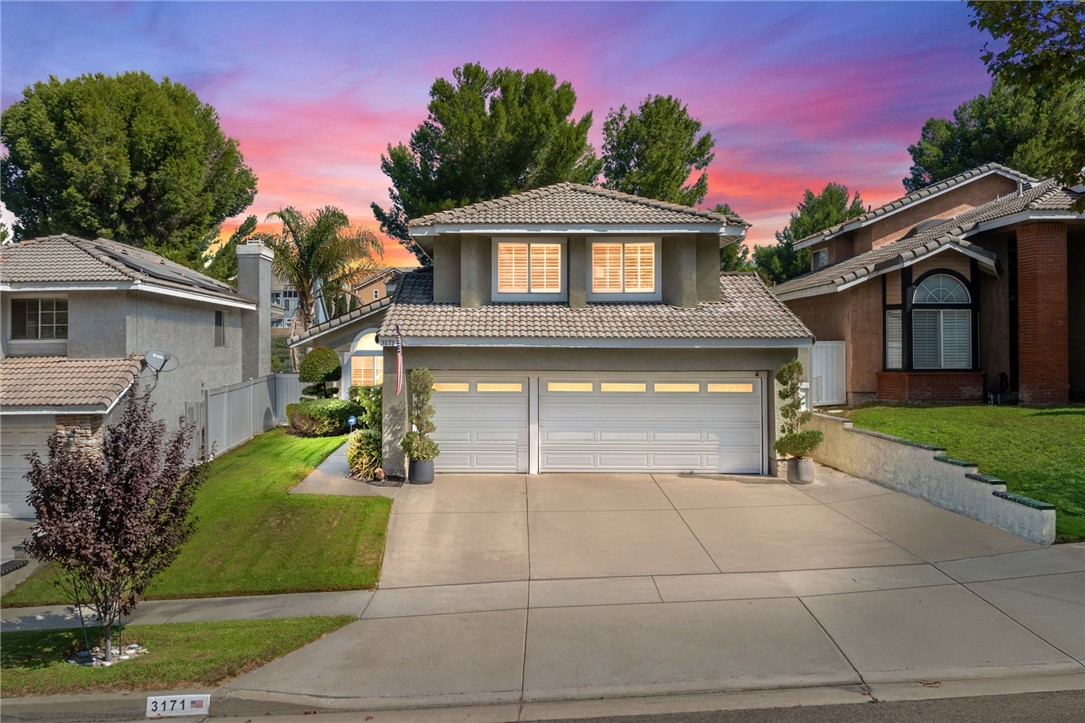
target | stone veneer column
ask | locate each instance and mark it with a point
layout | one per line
(1043, 314)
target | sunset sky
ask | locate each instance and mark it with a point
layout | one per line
(795, 94)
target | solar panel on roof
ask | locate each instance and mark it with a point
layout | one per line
(159, 268)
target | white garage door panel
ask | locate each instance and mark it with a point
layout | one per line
(703, 431)
(481, 431)
(19, 437)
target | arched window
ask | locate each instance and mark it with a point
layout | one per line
(941, 324)
(366, 360)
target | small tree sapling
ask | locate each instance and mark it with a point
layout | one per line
(112, 520)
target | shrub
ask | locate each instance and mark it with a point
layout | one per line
(417, 444)
(364, 453)
(370, 400)
(794, 442)
(321, 417)
(320, 366)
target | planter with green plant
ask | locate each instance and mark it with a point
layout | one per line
(417, 445)
(794, 442)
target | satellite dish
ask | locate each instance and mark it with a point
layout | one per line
(160, 361)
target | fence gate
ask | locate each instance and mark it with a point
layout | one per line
(828, 373)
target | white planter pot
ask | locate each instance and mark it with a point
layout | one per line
(800, 470)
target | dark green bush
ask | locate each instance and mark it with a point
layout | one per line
(365, 453)
(321, 417)
(319, 367)
(370, 399)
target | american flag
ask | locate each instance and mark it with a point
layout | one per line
(399, 362)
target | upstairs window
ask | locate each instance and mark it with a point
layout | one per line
(624, 270)
(220, 328)
(529, 270)
(39, 318)
(819, 259)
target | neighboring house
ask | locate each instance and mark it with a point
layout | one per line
(285, 297)
(374, 287)
(572, 328)
(954, 292)
(378, 284)
(79, 319)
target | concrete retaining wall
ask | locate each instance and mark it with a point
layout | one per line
(925, 472)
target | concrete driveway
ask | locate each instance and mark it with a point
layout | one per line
(507, 588)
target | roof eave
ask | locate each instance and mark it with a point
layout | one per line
(606, 343)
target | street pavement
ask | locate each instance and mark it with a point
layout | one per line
(509, 593)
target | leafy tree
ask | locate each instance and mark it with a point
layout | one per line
(223, 265)
(734, 256)
(1039, 131)
(1045, 41)
(5, 234)
(815, 213)
(653, 152)
(319, 367)
(112, 520)
(320, 251)
(122, 157)
(487, 135)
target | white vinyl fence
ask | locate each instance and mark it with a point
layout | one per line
(235, 414)
(828, 373)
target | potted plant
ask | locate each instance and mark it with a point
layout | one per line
(419, 449)
(794, 442)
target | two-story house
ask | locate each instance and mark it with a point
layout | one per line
(954, 292)
(84, 321)
(573, 328)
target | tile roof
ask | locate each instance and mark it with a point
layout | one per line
(334, 323)
(913, 197)
(69, 259)
(1045, 196)
(746, 311)
(32, 382)
(573, 203)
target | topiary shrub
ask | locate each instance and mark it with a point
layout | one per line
(417, 444)
(321, 417)
(319, 367)
(793, 442)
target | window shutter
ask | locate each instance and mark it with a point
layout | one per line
(512, 268)
(640, 267)
(546, 268)
(894, 348)
(926, 353)
(606, 268)
(956, 339)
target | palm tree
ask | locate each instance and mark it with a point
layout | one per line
(320, 251)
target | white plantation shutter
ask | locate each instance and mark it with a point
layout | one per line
(366, 371)
(894, 349)
(512, 260)
(606, 268)
(926, 350)
(640, 267)
(546, 268)
(956, 339)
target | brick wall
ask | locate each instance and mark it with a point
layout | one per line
(930, 386)
(1043, 314)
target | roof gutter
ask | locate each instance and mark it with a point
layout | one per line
(578, 343)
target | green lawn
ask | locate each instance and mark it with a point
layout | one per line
(1039, 452)
(253, 538)
(181, 655)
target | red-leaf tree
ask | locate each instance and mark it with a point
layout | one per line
(114, 519)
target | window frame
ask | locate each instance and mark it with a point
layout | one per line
(221, 338)
(939, 310)
(626, 296)
(541, 297)
(39, 339)
(365, 351)
(819, 254)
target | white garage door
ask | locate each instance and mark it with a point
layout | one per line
(651, 423)
(481, 423)
(18, 437)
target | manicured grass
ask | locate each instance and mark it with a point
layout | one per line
(253, 538)
(1038, 451)
(181, 655)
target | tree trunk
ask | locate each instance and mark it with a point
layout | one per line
(107, 634)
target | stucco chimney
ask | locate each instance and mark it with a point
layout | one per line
(254, 281)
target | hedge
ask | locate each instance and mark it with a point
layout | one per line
(321, 417)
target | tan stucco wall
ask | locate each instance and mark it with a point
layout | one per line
(475, 263)
(680, 271)
(446, 271)
(708, 267)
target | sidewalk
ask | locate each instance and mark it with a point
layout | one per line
(332, 477)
